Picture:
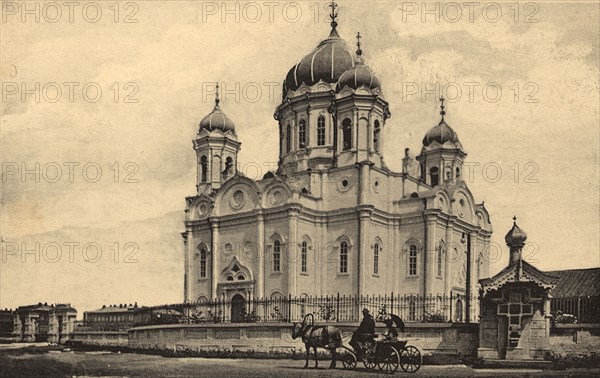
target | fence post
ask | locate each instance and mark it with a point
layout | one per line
(451, 321)
(392, 303)
(337, 308)
(579, 309)
(290, 306)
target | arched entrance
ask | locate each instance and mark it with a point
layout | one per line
(237, 308)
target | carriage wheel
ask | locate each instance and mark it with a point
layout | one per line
(349, 360)
(410, 359)
(388, 359)
(369, 360)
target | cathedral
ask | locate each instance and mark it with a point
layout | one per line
(333, 218)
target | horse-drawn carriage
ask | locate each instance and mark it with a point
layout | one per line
(385, 353)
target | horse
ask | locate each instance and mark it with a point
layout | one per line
(326, 337)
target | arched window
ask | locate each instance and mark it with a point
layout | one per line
(321, 131)
(376, 258)
(202, 262)
(302, 134)
(346, 134)
(343, 257)
(376, 132)
(459, 311)
(288, 139)
(440, 258)
(228, 166)
(203, 168)
(412, 260)
(434, 175)
(276, 256)
(304, 257)
(457, 172)
(448, 173)
(412, 311)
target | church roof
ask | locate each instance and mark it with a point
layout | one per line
(359, 75)
(325, 63)
(442, 133)
(576, 282)
(217, 120)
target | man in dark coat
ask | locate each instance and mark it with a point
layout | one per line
(364, 333)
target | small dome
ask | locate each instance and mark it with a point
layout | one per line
(358, 76)
(217, 120)
(515, 237)
(441, 133)
(327, 62)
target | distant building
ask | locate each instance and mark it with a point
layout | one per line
(42, 322)
(113, 317)
(6, 324)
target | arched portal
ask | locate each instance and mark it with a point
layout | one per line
(237, 308)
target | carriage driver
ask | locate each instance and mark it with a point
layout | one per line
(365, 332)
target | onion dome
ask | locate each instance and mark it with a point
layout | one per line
(359, 75)
(515, 237)
(441, 133)
(217, 120)
(326, 62)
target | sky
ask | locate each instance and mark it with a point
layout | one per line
(100, 103)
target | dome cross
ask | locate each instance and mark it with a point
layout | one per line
(333, 15)
(442, 107)
(217, 99)
(358, 51)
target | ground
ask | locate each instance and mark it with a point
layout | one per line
(69, 364)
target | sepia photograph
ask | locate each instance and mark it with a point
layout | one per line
(303, 188)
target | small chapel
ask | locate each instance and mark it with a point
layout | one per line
(332, 218)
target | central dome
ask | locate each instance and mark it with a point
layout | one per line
(326, 62)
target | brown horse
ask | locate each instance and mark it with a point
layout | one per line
(326, 337)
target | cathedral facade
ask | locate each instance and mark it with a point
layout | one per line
(333, 218)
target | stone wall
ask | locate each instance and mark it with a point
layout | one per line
(100, 338)
(446, 339)
(575, 338)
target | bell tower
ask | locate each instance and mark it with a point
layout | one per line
(216, 147)
(442, 156)
(360, 114)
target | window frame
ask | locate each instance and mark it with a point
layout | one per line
(343, 258)
(288, 139)
(276, 256)
(202, 263)
(302, 134)
(304, 257)
(321, 131)
(413, 263)
(376, 250)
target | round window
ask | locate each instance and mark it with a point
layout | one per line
(238, 199)
(276, 197)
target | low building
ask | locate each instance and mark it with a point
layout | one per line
(42, 322)
(6, 324)
(112, 317)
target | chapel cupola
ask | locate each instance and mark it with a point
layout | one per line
(515, 240)
(442, 155)
(216, 148)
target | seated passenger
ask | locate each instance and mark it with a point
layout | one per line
(364, 333)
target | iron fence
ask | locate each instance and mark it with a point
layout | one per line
(333, 308)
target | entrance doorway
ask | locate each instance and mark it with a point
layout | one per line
(237, 308)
